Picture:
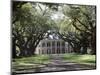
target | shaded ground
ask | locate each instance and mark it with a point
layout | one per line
(56, 63)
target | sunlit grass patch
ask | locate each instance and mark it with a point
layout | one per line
(33, 59)
(84, 59)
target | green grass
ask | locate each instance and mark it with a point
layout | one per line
(33, 59)
(40, 60)
(82, 59)
(30, 62)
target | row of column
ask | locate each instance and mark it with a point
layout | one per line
(54, 49)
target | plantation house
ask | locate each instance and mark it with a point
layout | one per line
(53, 46)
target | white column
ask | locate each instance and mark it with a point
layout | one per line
(51, 46)
(60, 47)
(46, 46)
(68, 48)
(38, 51)
(55, 47)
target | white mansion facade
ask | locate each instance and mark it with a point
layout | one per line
(53, 46)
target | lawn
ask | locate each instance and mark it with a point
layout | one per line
(40, 60)
(81, 59)
(30, 62)
(33, 59)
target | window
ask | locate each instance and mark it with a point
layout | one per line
(58, 50)
(63, 50)
(58, 43)
(43, 44)
(53, 43)
(48, 44)
(53, 50)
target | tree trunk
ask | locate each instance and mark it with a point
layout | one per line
(84, 51)
(13, 48)
(76, 48)
(93, 42)
(33, 50)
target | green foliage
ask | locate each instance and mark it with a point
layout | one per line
(30, 26)
(32, 21)
(78, 26)
(81, 16)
